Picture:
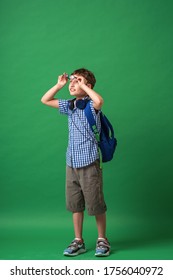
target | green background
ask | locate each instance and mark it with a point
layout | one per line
(128, 44)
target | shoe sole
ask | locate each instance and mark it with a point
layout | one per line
(80, 251)
(102, 255)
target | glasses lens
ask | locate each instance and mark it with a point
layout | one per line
(72, 77)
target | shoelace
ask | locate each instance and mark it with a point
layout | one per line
(74, 244)
(103, 244)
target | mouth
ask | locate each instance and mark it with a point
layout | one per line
(72, 89)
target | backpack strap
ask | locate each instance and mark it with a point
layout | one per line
(93, 126)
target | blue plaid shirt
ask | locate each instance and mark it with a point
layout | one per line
(82, 147)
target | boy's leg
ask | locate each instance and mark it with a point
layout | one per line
(78, 224)
(101, 225)
(75, 203)
(102, 246)
(77, 246)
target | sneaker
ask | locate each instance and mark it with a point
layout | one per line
(75, 248)
(102, 247)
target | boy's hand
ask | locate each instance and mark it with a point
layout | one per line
(81, 81)
(62, 80)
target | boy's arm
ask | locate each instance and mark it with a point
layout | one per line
(95, 97)
(48, 98)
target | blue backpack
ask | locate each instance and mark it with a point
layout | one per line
(106, 140)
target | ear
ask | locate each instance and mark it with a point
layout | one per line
(89, 85)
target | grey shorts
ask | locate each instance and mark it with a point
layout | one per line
(84, 188)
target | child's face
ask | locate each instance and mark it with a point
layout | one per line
(74, 86)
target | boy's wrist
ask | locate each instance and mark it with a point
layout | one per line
(59, 86)
(83, 86)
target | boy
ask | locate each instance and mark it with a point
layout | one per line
(83, 173)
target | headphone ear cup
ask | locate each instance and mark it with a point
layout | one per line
(71, 104)
(80, 104)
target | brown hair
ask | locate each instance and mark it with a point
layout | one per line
(88, 75)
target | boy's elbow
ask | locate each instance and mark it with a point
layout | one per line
(43, 101)
(100, 102)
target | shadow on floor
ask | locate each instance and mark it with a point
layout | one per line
(149, 238)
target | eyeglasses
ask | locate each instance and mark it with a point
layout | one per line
(71, 77)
